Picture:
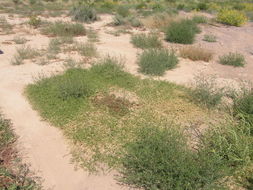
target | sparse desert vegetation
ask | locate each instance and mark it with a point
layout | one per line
(146, 41)
(145, 92)
(233, 59)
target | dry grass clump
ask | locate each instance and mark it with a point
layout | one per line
(158, 21)
(5, 26)
(196, 53)
(23, 53)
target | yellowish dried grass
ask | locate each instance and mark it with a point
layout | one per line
(196, 53)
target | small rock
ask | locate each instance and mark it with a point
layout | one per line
(1, 52)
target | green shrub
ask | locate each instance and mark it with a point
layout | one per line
(243, 108)
(205, 91)
(202, 6)
(159, 159)
(234, 59)
(157, 61)
(34, 21)
(135, 22)
(73, 86)
(6, 135)
(19, 40)
(119, 20)
(210, 38)
(60, 28)
(182, 32)
(13, 174)
(87, 49)
(230, 143)
(123, 10)
(199, 19)
(84, 13)
(24, 52)
(146, 41)
(231, 17)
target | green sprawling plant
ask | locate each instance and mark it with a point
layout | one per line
(182, 32)
(157, 61)
(243, 108)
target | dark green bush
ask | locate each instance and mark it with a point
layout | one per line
(182, 32)
(160, 159)
(157, 61)
(84, 13)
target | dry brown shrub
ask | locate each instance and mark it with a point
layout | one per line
(196, 53)
(158, 21)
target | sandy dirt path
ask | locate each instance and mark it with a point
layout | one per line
(42, 146)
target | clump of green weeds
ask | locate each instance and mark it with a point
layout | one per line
(87, 49)
(34, 21)
(19, 40)
(182, 32)
(84, 13)
(144, 41)
(24, 52)
(210, 38)
(160, 159)
(60, 28)
(157, 61)
(14, 175)
(233, 59)
(205, 91)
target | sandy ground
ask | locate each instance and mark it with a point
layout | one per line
(43, 146)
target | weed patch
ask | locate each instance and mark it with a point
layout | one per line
(13, 175)
(210, 38)
(25, 52)
(64, 29)
(233, 59)
(84, 13)
(144, 41)
(19, 40)
(160, 159)
(157, 61)
(206, 92)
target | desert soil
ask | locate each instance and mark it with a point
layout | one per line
(43, 146)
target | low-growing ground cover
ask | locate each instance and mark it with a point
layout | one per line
(108, 115)
(100, 109)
